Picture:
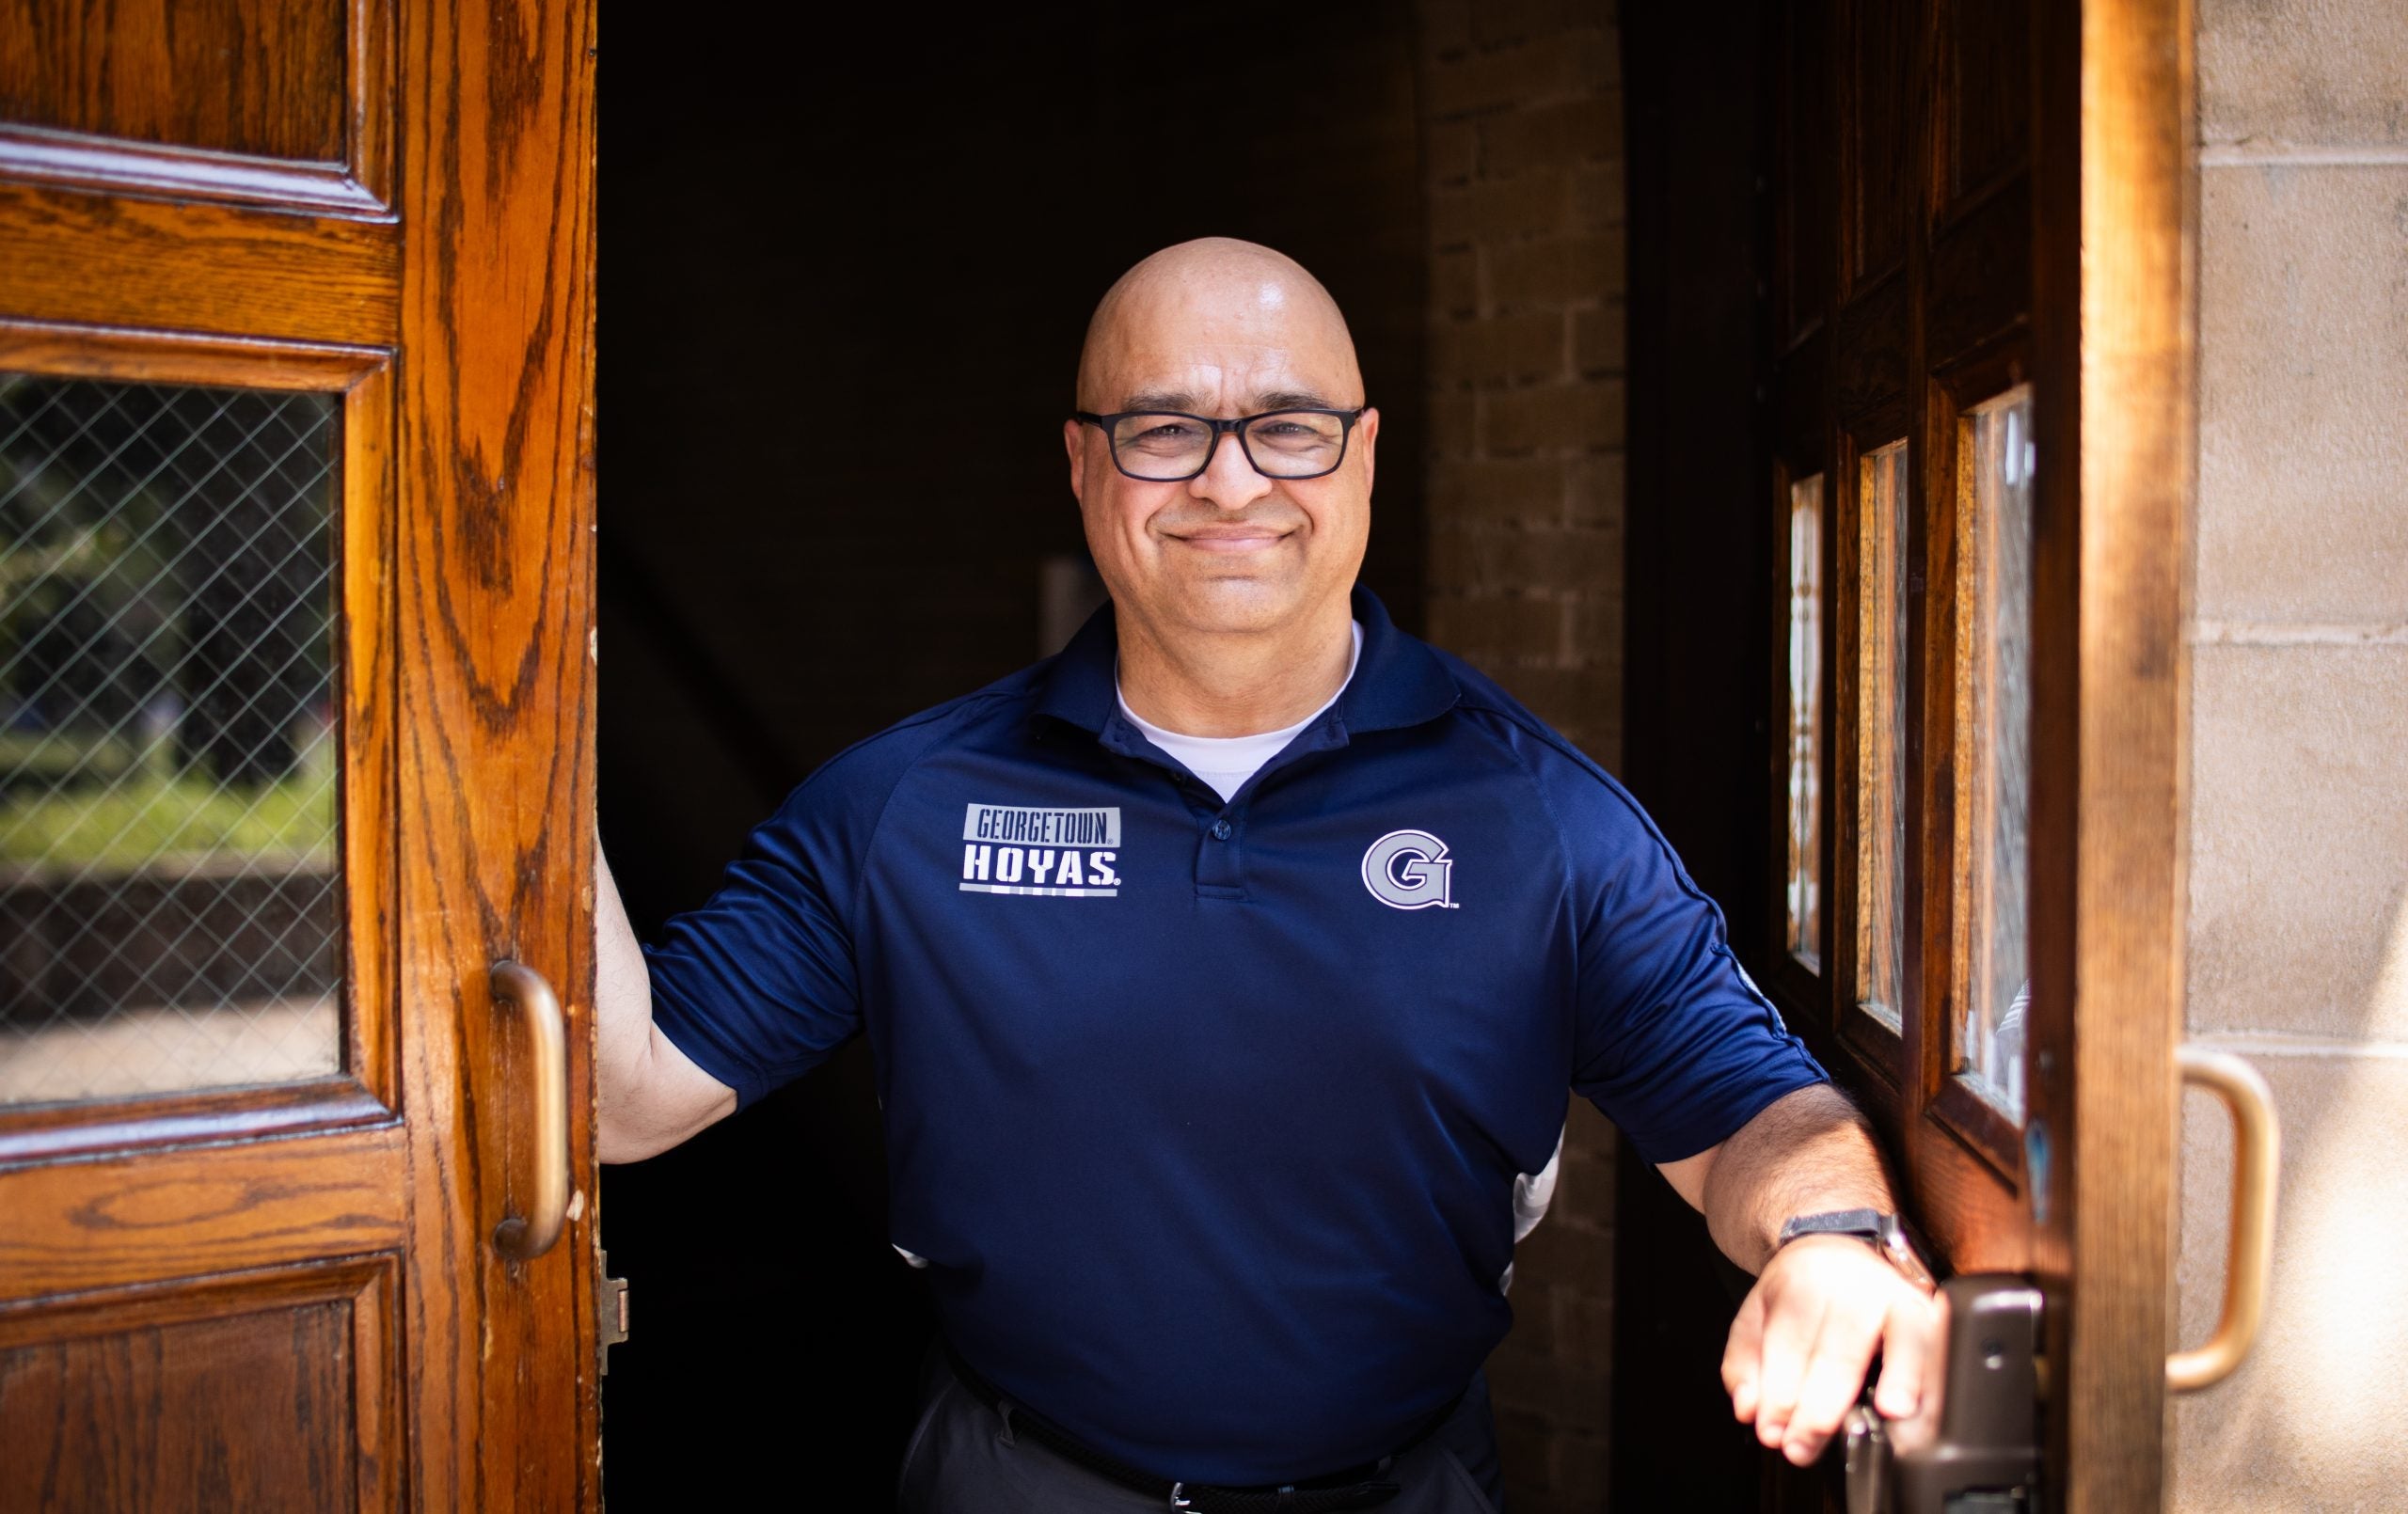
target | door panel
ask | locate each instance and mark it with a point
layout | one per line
(297, 746)
(1999, 426)
(268, 1390)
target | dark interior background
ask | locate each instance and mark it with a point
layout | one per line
(842, 290)
(1698, 675)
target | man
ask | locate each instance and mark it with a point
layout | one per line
(1227, 975)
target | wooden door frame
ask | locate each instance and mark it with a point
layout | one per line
(2114, 303)
(2116, 437)
(439, 278)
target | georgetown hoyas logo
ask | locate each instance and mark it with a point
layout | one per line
(1409, 870)
(1064, 853)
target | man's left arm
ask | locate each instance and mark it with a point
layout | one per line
(1822, 1305)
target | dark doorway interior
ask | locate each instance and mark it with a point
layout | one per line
(843, 289)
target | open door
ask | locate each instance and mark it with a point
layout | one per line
(295, 747)
(1980, 445)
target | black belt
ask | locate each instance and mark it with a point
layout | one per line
(1362, 1487)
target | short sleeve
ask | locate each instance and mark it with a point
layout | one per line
(760, 985)
(1673, 1043)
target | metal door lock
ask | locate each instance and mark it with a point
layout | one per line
(1986, 1457)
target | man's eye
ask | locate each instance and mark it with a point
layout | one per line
(1169, 434)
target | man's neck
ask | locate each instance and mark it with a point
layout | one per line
(1236, 684)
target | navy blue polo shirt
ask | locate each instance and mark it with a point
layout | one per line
(1207, 1115)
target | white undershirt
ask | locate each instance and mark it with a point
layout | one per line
(1226, 762)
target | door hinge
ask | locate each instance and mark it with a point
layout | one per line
(610, 1309)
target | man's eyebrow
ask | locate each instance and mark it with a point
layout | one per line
(1266, 399)
(1294, 400)
(1160, 400)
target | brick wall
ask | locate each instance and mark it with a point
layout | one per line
(1522, 143)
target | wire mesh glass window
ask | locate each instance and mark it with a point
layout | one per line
(169, 878)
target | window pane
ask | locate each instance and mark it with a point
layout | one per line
(1805, 885)
(1994, 762)
(1882, 734)
(167, 791)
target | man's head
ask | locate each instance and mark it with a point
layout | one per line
(1221, 328)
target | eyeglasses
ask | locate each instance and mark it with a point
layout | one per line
(1170, 445)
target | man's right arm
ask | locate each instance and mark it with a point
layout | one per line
(653, 1096)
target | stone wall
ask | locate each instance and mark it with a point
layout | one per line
(2299, 836)
(1522, 145)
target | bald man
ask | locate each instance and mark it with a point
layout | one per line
(1227, 976)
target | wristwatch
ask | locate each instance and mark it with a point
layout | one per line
(1885, 1233)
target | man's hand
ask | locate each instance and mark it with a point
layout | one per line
(1803, 1339)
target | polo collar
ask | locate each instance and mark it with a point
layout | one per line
(1399, 682)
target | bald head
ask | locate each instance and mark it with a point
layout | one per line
(1231, 327)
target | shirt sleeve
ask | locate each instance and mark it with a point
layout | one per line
(760, 985)
(1673, 1041)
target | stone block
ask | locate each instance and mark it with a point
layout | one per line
(1497, 631)
(1560, 270)
(1494, 210)
(1568, 133)
(2304, 363)
(2299, 849)
(1600, 340)
(2322, 72)
(1575, 417)
(1521, 490)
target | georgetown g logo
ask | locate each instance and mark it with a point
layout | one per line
(1408, 870)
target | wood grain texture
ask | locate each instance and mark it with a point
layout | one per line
(495, 806)
(137, 357)
(35, 154)
(95, 259)
(260, 77)
(2116, 241)
(178, 1213)
(264, 1390)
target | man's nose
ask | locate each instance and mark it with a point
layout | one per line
(1228, 479)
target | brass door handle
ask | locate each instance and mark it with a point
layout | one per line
(2249, 1254)
(522, 1239)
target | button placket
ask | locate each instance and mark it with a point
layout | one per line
(1220, 871)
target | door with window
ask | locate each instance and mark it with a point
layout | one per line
(296, 756)
(1978, 482)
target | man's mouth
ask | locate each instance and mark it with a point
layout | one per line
(1233, 539)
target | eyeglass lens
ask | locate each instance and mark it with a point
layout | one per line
(1285, 444)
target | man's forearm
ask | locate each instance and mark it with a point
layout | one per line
(651, 1095)
(1807, 1153)
(622, 991)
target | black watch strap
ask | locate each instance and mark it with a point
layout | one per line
(1885, 1233)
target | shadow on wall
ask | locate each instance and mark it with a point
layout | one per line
(843, 292)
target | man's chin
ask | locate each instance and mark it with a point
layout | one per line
(1240, 605)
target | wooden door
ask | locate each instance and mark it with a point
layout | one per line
(296, 744)
(1977, 498)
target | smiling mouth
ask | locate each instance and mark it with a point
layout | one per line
(1254, 540)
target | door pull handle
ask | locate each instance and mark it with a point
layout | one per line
(2249, 1254)
(524, 1237)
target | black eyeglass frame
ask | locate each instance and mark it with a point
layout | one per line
(1222, 427)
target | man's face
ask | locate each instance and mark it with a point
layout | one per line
(1229, 550)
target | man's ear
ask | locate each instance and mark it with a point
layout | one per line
(1074, 442)
(1366, 438)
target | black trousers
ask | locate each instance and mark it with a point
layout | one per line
(963, 1458)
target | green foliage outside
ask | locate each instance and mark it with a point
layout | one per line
(150, 815)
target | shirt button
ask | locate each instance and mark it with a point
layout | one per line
(1220, 830)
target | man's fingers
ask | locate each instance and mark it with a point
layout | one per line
(1911, 1343)
(1843, 1350)
(1741, 1357)
(1790, 1327)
